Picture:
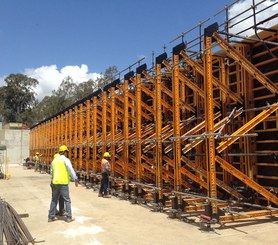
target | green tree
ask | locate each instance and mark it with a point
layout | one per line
(108, 76)
(69, 92)
(18, 98)
(58, 101)
(85, 88)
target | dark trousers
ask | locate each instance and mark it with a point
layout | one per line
(61, 202)
(57, 191)
(61, 205)
(104, 183)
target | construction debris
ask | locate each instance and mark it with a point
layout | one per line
(12, 228)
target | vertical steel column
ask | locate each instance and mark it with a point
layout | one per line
(158, 128)
(52, 137)
(41, 141)
(138, 156)
(223, 79)
(176, 123)
(38, 139)
(55, 126)
(104, 121)
(88, 127)
(210, 144)
(46, 141)
(81, 129)
(223, 97)
(113, 126)
(62, 129)
(31, 141)
(94, 134)
(75, 143)
(34, 146)
(70, 132)
(125, 120)
(47, 150)
(49, 156)
(183, 98)
(59, 130)
(66, 140)
(248, 93)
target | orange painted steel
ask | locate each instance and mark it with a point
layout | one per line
(206, 123)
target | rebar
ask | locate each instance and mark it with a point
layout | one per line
(12, 228)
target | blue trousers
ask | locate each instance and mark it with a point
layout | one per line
(104, 183)
(61, 202)
(57, 192)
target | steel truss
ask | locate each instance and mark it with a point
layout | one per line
(193, 133)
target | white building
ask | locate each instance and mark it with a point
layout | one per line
(15, 136)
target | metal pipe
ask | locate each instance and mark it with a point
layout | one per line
(255, 205)
(243, 12)
(187, 194)
(247, 38)
(186, 32)
(238, 135)
(194, 136)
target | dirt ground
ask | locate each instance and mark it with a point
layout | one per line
(114, 221)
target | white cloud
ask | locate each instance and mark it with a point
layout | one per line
(241, 6)
(50, 77)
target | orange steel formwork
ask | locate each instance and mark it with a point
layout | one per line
(198, 131)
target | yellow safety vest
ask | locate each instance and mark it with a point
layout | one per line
(60, 174)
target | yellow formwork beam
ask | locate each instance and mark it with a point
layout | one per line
(71, 122)
(126, 129)
(144, 124)
(215, 81)
(158, 128)
(246, 180)
(94, 129)
(138, 94)
(209, 113)
(253, 70)
(247, 215)
(88, 134)
(113, 130)
(176, 123)
(247, 127)
(75, 146)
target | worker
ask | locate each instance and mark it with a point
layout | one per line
(61, 211)
(105, 172)
(37, 160)
(62, 172)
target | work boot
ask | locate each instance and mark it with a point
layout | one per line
(106, 196)
(63, 213)
(100, 195)
(68, 220)
(52, 219)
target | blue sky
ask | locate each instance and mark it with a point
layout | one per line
(95, 33)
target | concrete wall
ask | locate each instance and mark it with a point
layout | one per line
(17, 143)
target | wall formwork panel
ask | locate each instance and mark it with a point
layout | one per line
(205, 123)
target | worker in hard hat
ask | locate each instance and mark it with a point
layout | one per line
(105, 171)
(61, 211)
(62, 172)
(37, 160)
